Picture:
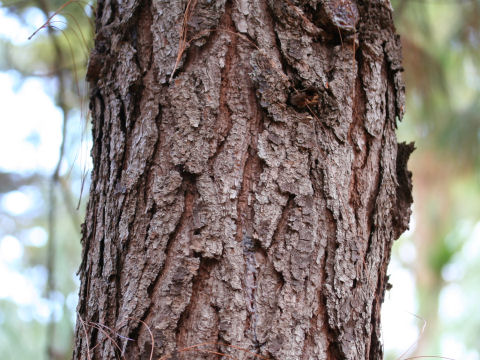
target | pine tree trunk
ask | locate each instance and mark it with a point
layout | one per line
(247, 183)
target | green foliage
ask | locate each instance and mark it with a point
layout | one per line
(47, 233)
(440, 46)
(18, 341)
(440, 40)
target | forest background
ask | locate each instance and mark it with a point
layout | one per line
(432, 308)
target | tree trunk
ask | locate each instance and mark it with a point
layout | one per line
(247, 183)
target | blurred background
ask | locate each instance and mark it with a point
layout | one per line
(433, 308)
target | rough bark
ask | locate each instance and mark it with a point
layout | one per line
(247, 194)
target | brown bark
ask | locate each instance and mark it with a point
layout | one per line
(251, 201)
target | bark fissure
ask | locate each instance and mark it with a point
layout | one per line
(188, 198)
(201, 293)
(224, 121)
(331, 332)
(251, 169)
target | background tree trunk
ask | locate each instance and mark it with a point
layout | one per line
(247, 194)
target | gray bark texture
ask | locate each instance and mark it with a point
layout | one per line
(247, 183)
